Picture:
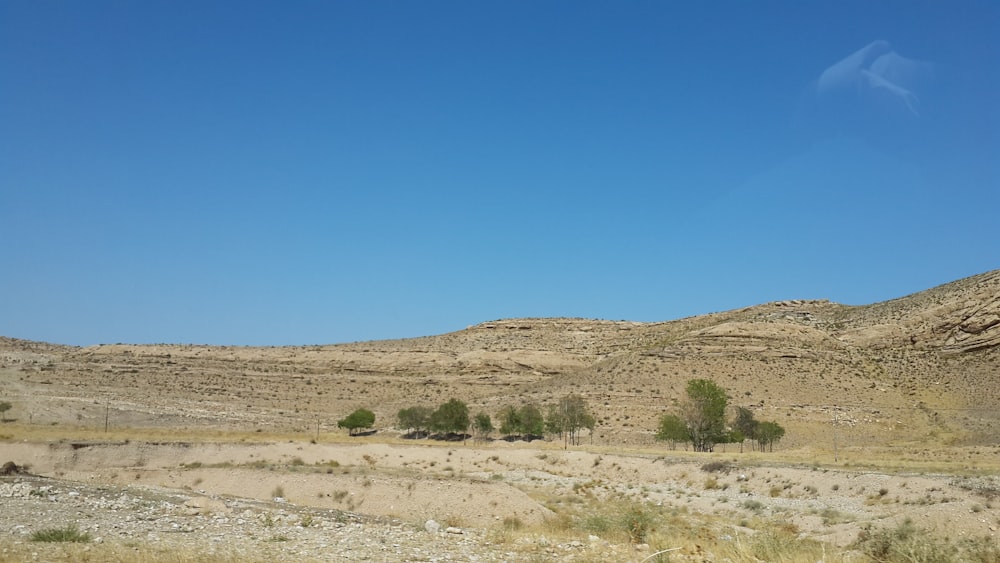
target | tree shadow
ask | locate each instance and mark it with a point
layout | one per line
(450, 437)
(521, 438)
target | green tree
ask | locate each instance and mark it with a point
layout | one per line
(568, 417)
(451, 417)
(510, 424)
(745, 424)
(705, 414)
(672, 429)
(525, 422)
(532, 421)
(768, 433)
(482, 426)
(416, 419)
(4, 407)
(361, 418)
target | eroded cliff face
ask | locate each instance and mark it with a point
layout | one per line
(962, 316)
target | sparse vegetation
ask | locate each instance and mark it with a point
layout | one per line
(905, 543)
(67, 534)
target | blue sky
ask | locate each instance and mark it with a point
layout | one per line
(320, 172)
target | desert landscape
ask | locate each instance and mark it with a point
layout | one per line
(184, 452)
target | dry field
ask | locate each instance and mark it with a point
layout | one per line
(892, 414)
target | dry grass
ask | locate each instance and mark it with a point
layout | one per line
(131, 552)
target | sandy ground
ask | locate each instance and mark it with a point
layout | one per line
(479, 485)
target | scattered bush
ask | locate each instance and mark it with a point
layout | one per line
(904, 543)
(70, 534)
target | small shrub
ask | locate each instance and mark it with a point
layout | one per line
(905, 542)
(774, 546)
(70, 534)
(512, 523)
(637, 523)
(984, 549)
(833, 516)
(716, 467)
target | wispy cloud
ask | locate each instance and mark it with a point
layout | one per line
(871, 91)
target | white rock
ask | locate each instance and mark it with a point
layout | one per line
(432, 527)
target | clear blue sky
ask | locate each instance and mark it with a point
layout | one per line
(331, 171)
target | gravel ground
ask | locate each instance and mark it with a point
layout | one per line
(150, 520)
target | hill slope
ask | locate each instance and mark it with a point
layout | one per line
(919, 368)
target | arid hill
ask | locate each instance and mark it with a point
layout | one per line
(918, 369)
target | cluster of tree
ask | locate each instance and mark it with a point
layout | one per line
(702, 421)
(565, 419)
(763, 433)
(525, 423)
(450, 418)
(4, 407)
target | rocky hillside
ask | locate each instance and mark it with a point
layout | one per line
(918, 368)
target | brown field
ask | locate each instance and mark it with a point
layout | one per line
(892, 412)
